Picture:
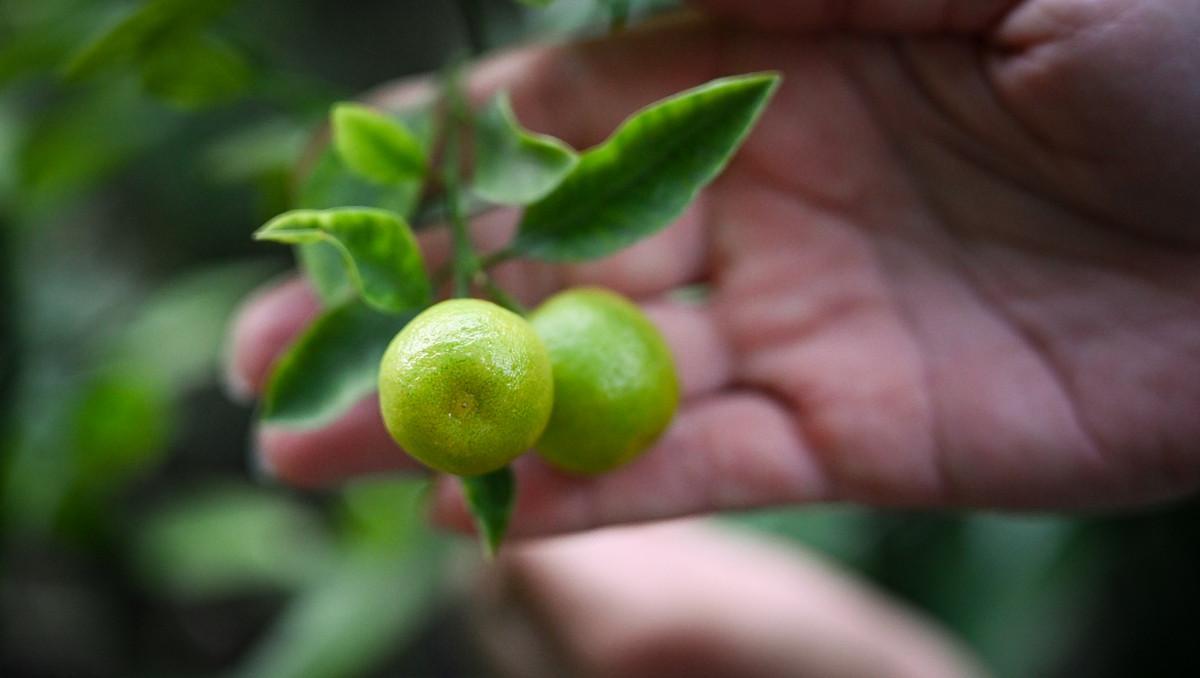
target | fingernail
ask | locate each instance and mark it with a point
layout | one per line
(261, 468)
(236, 387)
(445, 507)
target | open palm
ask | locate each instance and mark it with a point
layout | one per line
(957, 263)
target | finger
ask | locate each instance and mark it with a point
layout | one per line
(688, 598)
(353, 445)
(701, 354)
(728, 451)
(262, 328)
(884, 16)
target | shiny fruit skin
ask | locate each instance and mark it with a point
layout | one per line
(615, 384)
(466, 387)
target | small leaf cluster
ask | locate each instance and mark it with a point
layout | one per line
(359, 250)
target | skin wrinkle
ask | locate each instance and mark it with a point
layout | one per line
(803, 443)
(729, 465)
(762, 385)
(966, 153)
(1034, 345)
(1050, 349)
(947, 486)
(1148, 177)
(1038, 345)
(945, 480)
(795, 401)
(830, 482)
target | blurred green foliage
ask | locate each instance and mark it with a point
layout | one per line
(140, 143)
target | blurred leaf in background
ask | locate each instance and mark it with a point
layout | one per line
(222, 540)
(370, 604)
(132, 542)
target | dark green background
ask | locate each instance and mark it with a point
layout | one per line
(135, 540)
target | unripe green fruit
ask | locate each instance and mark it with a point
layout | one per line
(615, 389)
(466, 387)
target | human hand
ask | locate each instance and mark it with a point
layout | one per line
(957, 263)
(690, 599)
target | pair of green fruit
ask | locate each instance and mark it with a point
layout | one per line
(468, 386)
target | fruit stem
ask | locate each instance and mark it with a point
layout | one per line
(464, 262)
(496, 258)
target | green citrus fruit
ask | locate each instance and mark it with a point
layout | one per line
(615, 388)
(466, 387)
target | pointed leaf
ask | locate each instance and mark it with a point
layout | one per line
(378, 250)
(512, 165)
(332, 366)
(323, 266)
(332, 184)
(644, 176)
(376, 146)
(491, 497)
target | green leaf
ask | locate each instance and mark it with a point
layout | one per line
(120, 427)
(645, 175)
(255, 151)
(176, 335)
(228, 540)
(536, 3)
(376, 146)
(365, 610)
(194, 70)
(128, 37)
(333, 365)
(384, 513)
(375, 599)
(378, 250)
(332, 184)
(512, 165)
(491, 497)
(322, 265)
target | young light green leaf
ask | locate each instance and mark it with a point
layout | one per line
(490, 498)
(376, 146)
(333, 365)
(378, 250)
(512, 165)
(332, 184)
(644, 176)
(323, 267)
(194, 70)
